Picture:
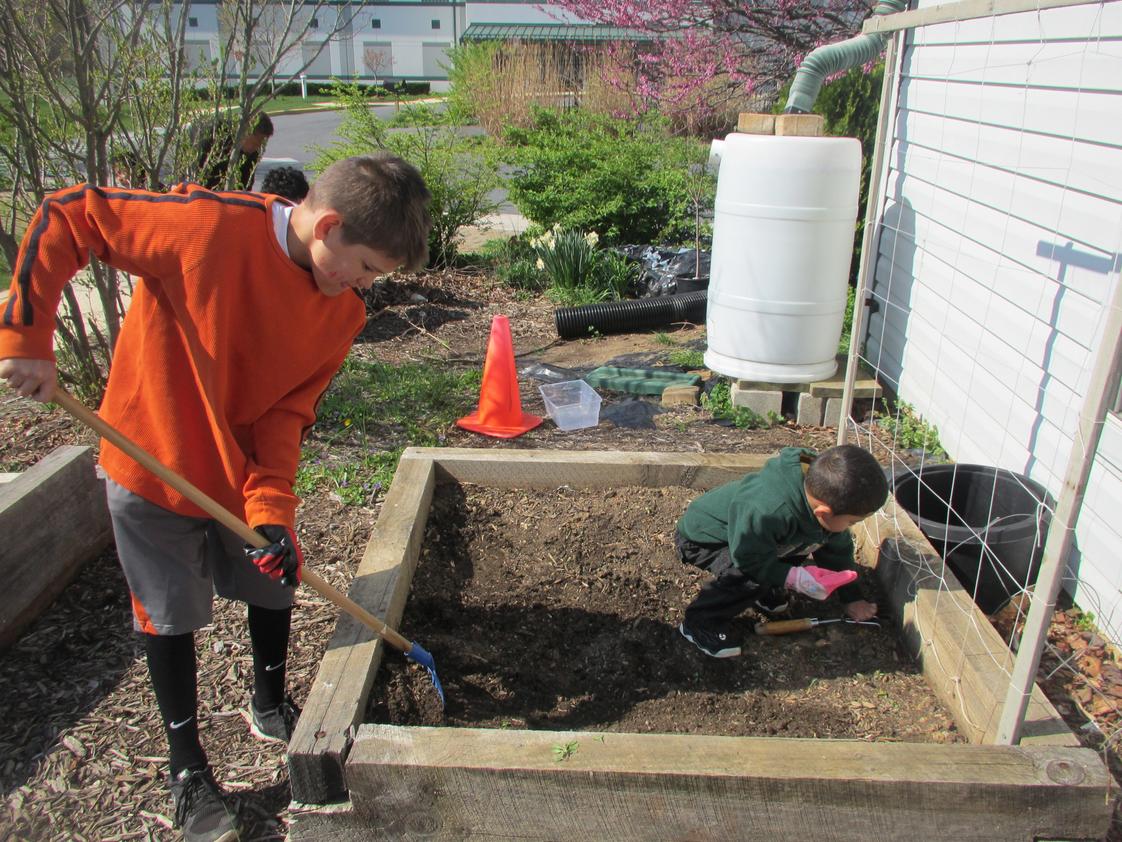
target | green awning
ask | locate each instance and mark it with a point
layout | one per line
(572, 32)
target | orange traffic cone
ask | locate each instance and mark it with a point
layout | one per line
(500, 405)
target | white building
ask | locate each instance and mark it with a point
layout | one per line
(393, 41)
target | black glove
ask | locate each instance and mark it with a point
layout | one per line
(281, 558)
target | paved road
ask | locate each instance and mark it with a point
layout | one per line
(295, 137)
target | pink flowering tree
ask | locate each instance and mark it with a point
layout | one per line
(710, 56)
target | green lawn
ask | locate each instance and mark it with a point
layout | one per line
(286, 104)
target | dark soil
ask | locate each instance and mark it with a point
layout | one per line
(558, 610)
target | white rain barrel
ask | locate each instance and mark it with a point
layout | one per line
(783, 230)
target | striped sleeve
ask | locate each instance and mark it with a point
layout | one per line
(136, 231)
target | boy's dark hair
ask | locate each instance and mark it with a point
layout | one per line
(383, 202)
(848, 479)
(264, 125)
(288, 182)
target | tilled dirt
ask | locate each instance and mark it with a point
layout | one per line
(559, 610)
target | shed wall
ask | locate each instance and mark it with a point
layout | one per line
(999, 245)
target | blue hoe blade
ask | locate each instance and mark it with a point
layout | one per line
(420, 655)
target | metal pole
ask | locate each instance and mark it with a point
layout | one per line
(1061, 535)
(872, 216)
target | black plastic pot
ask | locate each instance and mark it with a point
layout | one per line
(988, 524)
(623, 316)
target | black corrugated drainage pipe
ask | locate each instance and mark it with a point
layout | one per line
(637, 314)
(833, 58)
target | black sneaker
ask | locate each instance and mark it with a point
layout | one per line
(773, 601)
(714, 644)
(200, 810)
(274, 725)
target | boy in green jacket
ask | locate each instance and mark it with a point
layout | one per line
(754, 535)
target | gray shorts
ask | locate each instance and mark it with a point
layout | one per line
(175, 564)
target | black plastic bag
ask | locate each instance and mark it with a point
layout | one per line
(668, 271)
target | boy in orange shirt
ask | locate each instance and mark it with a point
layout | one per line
(244, 309)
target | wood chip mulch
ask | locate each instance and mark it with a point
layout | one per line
(82, 750)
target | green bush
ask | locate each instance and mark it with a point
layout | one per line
(617, 273)
(419, 114)
(513, 261)
(470, 62)
(622, 178)
(375, 90)
(408, 88)
(847, 320)
(314, 89)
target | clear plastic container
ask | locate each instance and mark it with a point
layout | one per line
(572, 404)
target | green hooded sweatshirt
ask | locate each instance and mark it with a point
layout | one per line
(764, 518)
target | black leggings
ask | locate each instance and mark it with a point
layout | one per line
(725, 595)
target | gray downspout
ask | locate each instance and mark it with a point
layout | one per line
(833, 58)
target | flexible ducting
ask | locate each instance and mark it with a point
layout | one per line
(638, 314)
(834, 58)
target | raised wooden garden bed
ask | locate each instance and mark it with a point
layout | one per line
(367, 781)
(53, 519)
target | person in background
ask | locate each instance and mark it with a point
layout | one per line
(217, 150)
(243, 310)
(755, 536)
(286, 182)
(127, 171)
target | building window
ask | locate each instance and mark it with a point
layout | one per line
(436, 24)
(193, 22)
(375, 23)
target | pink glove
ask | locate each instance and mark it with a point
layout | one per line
(817, 582)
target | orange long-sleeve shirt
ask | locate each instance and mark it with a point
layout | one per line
(226, 348)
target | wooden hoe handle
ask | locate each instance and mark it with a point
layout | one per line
(221, 514)
(785, 626)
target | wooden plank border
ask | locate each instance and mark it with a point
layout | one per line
(964, 659)
(587, 469)
(53, 519)
(337, 701)
(456, 783)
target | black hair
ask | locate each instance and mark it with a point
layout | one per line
(288, 182)
(264, 125)
(848, 479)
